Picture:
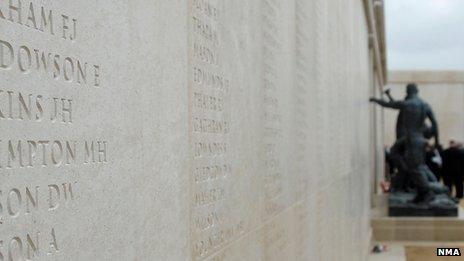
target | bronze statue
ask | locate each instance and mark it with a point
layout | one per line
(408, 152)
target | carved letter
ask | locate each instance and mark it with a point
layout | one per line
(57, 72)
(10, 103)
(25, 107)
(44, 144)
(2, 257)
(53, 204)
(25, 68)
(1, 210)
(31, 16)
(68, 76)
(32, 246)
(44, 21)
(38, 103)
(68, 188)
(11, 211)
(57, 160)
(30, 199)
(19, 243)
(53, 244)
(11, 154)
(40, 57)
(70, 152)
(97, 75)
(32, 151)
(3, 17)
(1, 113)
(6, 50)
(81, 73)
(54, 116)
(73, 37)
(102, 146)
(65, 25)
(66, 109)
(88, 151)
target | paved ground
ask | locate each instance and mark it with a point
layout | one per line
(416, 251)
(394, 252)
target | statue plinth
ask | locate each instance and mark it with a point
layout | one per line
(400, 205)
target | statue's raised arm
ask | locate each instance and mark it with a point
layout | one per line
(392, 104)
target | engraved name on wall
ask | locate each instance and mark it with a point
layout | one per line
(213, 225)
(38, 137)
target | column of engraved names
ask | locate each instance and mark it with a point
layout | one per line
(275, 238)
(211, 226)
(27, 111)
(321, 203)
(301, 84)
(320, 91)
(272, 118)
(302, 71)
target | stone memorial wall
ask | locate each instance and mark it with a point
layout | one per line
(184, 130)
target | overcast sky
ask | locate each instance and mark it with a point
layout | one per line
(425, 34)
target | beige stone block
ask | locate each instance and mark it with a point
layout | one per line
(418, 229)
(450, 77)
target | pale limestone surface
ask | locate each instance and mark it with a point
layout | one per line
(447, 102)
(387, 228)
(426, 76)
(222, 130)
(395, 252)
(132, 205)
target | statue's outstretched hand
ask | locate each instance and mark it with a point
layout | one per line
(372, 99)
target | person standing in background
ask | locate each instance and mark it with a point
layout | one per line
(453, 167)
(461, 161)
